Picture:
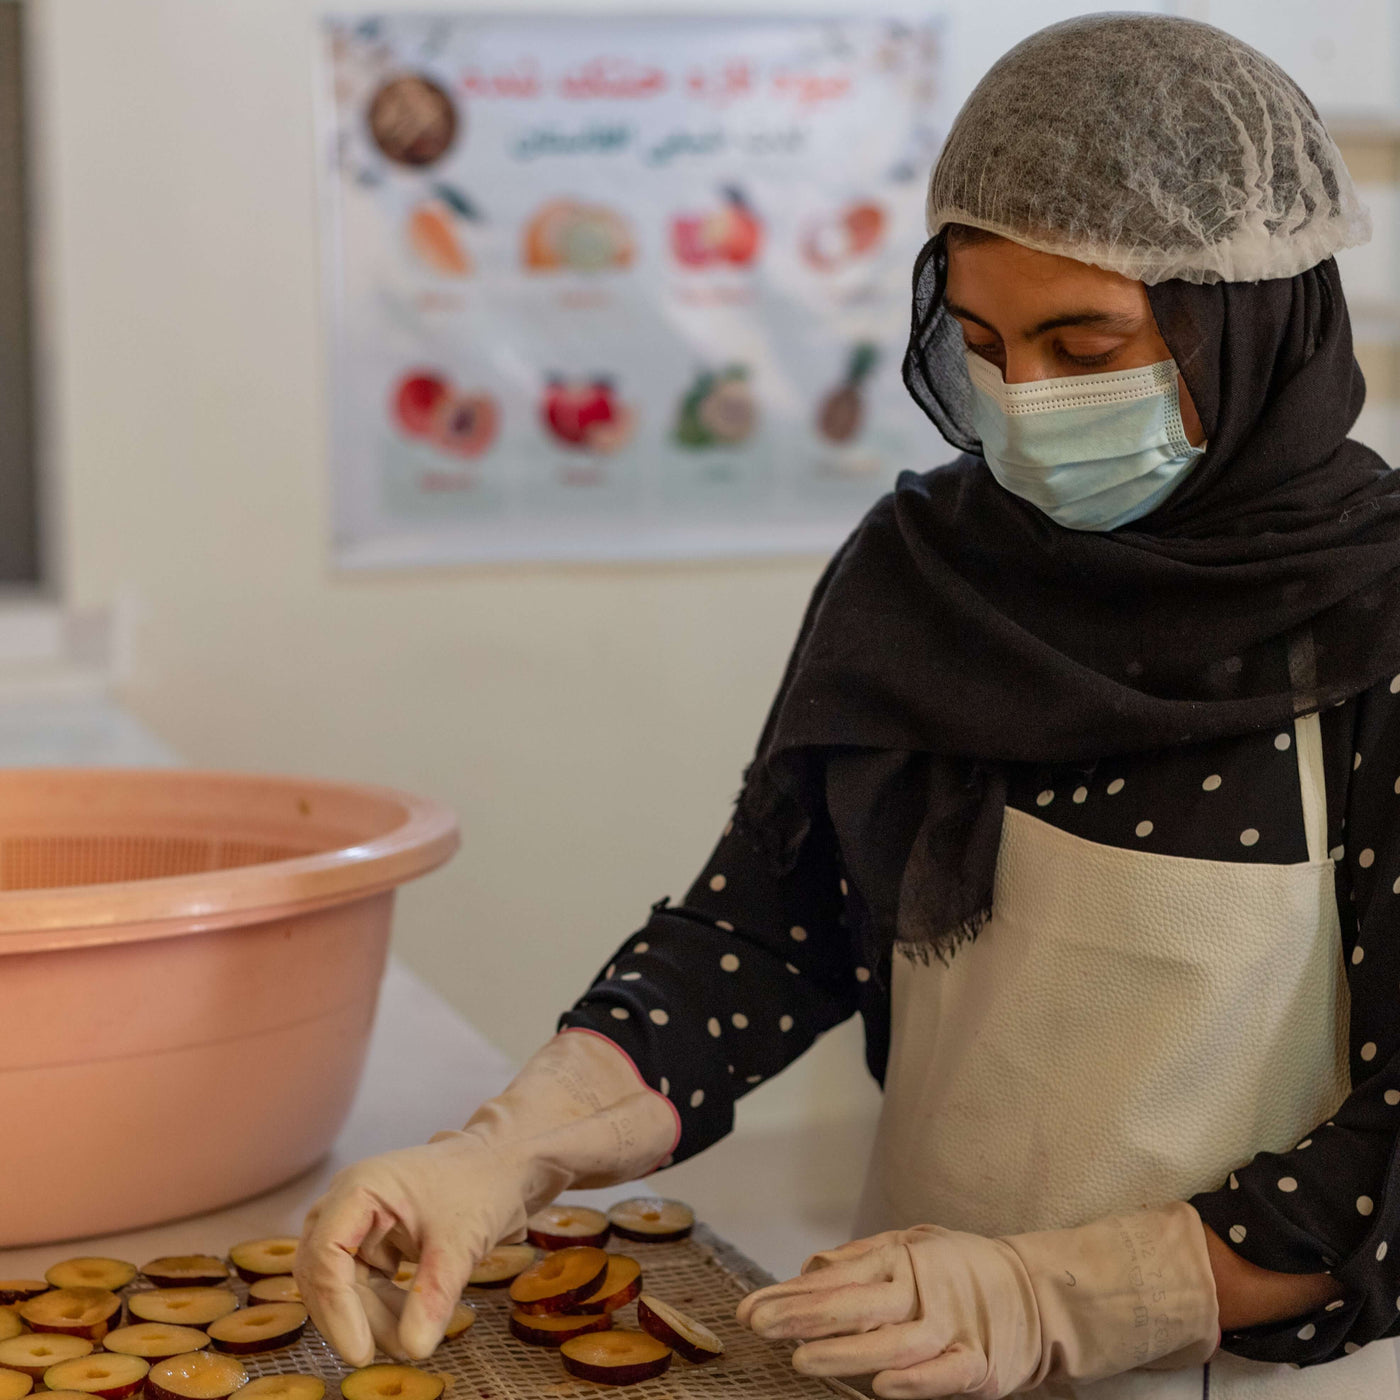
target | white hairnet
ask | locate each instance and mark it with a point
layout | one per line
(1154, 146)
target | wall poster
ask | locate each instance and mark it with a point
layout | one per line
(619, 288)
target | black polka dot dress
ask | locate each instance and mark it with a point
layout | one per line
(717, 994)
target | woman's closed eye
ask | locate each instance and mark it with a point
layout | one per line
(1086, 362)
(1081, 358)
(1087, 349)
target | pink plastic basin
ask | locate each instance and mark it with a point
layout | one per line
(189, 965)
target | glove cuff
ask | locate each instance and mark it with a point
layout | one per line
(1126, 1291)
(577, 1115)
(624, 1141)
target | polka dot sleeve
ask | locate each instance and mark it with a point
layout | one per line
(718, 994)
(1332, 1202)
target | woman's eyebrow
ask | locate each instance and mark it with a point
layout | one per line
(1124, 322)
(963, 314)
(1115, 322)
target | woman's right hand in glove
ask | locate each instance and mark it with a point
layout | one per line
(577, 1115)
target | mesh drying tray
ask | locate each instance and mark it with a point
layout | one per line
(703, 1276)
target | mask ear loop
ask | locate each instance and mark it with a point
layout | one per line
(1176, 429)
(1184, 338)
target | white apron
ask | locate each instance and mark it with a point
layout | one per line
(1125, 1030)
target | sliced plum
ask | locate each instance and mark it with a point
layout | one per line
(21, 1290)
(615, 1357)
(620, 1285)
(294, 1387)
(554, 1329)
(501, 1265)
(75, 1312)
(91, 1272)
(560, 1227)
(462, 1320)
(182, 1307)
(651, 1220)
(262, 1327)
(195, 1375)
(186, 1271)
(389, 1382)
(155, 1341)
(560, 1281)
(693, 1340)
(108, 1375)
(279, 1288)
(255, 1259)
(33, 1353)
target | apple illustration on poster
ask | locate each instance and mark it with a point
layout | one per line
(586, 414)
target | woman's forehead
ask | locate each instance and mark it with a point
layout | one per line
(996, 277)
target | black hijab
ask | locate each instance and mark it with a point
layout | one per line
(959, 629)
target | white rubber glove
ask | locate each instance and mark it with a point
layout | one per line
(577, 1115)
(933, 1312)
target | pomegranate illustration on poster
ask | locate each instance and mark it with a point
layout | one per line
(610, 288)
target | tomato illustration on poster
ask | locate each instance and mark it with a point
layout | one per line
(620, 287)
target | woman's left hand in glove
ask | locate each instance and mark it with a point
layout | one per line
(933, 1312)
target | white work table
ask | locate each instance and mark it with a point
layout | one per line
(427, 1069)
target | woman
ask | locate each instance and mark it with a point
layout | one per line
(1079, 787)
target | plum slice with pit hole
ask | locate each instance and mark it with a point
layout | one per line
(262, 1327)
(560, 1227)
(186, 1271)
(388, 1382)
(692, 1339)
(108, 1375)
(505, 1262)
(255, 1259)
(182, 1307)
(299, 1386)
(651, 1220)
(154, 1341)
(91, 1272)
(280, 1288)
(560, 1281)
(76, 1312)
(21, 1290)
(615, 1357)
(14, 1385)
(34, 1353)
(195, 1375)
(620, 1285)
(554, 1329)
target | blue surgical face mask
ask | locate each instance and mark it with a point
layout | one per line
(1093, 451)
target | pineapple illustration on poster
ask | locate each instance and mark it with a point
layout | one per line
(620, 288)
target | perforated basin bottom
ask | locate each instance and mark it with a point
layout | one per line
(703, 1276)
(69, 828)
(55, 862)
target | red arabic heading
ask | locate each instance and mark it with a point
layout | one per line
(615, 78)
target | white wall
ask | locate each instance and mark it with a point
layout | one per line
(1344, 54)
(588, 723)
